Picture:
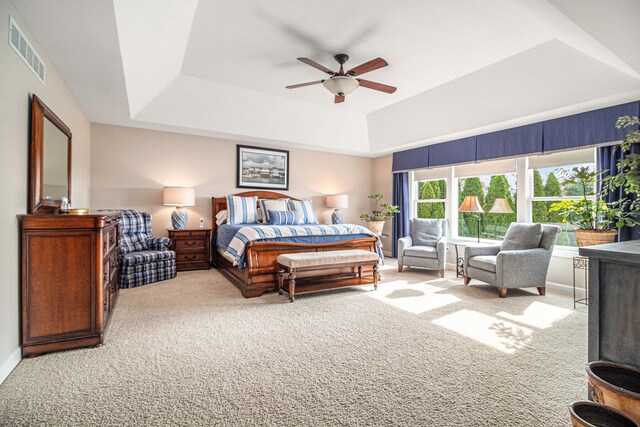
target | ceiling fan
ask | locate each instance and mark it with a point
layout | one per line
(341, 84)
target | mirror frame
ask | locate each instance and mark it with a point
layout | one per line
(40, 112)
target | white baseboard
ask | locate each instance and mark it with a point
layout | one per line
(9, 364)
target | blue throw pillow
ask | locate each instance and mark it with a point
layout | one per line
(283, 218)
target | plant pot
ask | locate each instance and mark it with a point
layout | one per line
(595, 237)
(615, 385)
(376, 226)
(587, 414)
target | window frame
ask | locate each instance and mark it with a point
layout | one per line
(523, 187)
(416, 191)
(531, 198)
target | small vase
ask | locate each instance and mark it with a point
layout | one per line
(376, 226)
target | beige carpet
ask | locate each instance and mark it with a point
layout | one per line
(419, 351)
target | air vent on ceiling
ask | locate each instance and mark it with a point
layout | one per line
(18, 41)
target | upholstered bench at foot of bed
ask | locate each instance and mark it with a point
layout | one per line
(308, 261)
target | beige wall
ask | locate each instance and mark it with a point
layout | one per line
(17, 84)
(129, 168)
(383, 183)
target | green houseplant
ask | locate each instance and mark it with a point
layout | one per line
(382, 212)
(591, 215)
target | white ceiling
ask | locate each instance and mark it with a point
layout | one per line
(220, 67)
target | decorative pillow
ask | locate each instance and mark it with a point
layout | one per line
(242, 210)
(521, 236)
(221, 217)
(426, 232)
(268, 205)
(303, 210)
(283, 218)
(134, 242)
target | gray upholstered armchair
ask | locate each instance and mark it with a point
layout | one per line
(425, 246)
(521, 261)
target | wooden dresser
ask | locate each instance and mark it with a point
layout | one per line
(192, 247)
(69, 280)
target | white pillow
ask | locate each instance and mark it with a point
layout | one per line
(242, 210)
(267, 205)
(303, 210)
(221, 217)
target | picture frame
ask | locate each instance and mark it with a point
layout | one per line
(264, 168)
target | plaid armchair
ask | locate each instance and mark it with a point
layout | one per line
(143, 259)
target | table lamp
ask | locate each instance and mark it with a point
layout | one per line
(337, 201)
(179, 197)
(500, 206)
(470, 204)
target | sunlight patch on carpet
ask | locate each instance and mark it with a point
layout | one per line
(538, 315)
(503, 336)
(414, 298)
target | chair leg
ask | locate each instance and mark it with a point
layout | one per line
(442, 272)
(502, 292)
(467, 279)
(399, 268)
(542, 290)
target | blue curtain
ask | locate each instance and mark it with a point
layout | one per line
(607, 159)
(400, 225)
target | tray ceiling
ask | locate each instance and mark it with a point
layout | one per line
(219, 68)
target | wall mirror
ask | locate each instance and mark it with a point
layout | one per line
(50, 160)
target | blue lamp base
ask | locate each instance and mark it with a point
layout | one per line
(336, 217)
(179, 219)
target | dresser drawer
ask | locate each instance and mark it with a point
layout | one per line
(186, 244)
(199, 256)
(109, 240)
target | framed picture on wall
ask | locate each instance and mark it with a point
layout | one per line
(262, 168)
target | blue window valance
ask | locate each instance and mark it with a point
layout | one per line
(589, 129)
(512, 142)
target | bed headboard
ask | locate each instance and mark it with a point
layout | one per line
(220, 203)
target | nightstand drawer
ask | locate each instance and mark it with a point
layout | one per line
(198, 256)
(185, 244)
(195, 234)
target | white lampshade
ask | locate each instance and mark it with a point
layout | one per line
(179, 196)
(471, 204)
(501, 206)
(340, 201)
(341, 85)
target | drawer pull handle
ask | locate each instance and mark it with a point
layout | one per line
(191, 257)
(189, 243)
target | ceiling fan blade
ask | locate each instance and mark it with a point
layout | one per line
(374, 64)
(304, 84)
(314, 64)
(338, 99)
(376, 86)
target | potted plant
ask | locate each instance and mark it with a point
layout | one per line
(376, 219)
(593, 217)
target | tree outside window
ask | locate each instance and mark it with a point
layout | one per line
(431, 199)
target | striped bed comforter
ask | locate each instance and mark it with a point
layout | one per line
(234, 251)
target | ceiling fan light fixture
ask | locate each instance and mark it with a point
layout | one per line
(341, 85)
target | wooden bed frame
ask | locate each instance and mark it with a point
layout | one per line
(260, 272)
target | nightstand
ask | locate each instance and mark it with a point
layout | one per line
(192, 247)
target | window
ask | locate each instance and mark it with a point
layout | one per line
(538, 180)
(488, 189)
(431, 197)
(548, 181)
(488, 181)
